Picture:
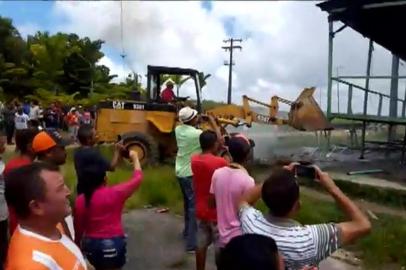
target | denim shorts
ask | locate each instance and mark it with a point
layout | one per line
(109, 253)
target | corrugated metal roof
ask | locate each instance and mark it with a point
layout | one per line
(382, 21)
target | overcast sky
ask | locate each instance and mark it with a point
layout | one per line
(284, 43)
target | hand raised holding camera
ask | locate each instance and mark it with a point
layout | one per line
(291, 166)
(119, 147)
(325, 180)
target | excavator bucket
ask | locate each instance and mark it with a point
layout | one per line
(305, 114)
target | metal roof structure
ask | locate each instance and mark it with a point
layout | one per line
(381, 21)
(171, 70)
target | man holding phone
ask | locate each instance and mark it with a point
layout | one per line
(300, 245)
(87, 154)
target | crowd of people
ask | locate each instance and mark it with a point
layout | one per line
(16, 116)
(36, 212)
(219, 204)
(220, 195)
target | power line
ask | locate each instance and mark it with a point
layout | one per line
(230, 64)
(123, 55)
(121, 30)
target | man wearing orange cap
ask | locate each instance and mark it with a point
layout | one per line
(50, 147)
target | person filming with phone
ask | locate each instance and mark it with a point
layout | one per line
(88, 154)
(300, 245)
(98, 215)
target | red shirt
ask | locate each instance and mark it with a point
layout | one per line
(12, 164)
(15, 163)
(203, 167)
(167, 95)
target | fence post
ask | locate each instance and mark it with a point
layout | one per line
(349, 105)
(380, 105)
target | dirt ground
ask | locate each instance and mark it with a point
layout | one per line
(154, 243)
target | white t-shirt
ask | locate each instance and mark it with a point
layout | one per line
(34, 113)
(21, 121)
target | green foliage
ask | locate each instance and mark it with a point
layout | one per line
(203, 79)
(51, 67)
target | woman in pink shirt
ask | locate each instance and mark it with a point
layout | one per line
(97, 217)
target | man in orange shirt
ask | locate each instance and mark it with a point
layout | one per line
(39, 196)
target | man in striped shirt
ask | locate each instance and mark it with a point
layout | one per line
(299, 245)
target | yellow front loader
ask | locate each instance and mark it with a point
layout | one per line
(147, 125)
(305, 114)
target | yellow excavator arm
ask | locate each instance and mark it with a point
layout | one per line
(305, 114)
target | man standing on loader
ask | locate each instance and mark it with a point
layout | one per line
(187, 139)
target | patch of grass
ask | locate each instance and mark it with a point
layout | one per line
(386, 196)
(385, 245)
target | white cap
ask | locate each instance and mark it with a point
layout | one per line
(186, 114)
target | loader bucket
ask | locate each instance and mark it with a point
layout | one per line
(305, 114)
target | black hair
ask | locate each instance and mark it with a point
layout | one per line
(250, 251)
(24, 184)
(85, 132)
(239, 149)
(280, 192)
(93, 177)
(24, 137)
(35, 102)
(207, 139)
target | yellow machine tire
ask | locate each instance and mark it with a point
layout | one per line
(144, 144)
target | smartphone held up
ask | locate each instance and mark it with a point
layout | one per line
(305, 171)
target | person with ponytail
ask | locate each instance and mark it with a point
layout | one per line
(98, 213)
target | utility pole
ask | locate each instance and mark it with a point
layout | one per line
(230, 64)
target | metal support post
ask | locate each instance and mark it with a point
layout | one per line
(330, 66)
(402, 161)
(364, 124)
(349, 105)
(404, 106)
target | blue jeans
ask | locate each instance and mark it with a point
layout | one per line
(190, 230)
(105, 253)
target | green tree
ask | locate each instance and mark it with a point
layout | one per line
(48, 57)
(203, 79)
(56, 67)
(80, 67)
(14, 70)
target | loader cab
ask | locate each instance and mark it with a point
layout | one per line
(155, 81)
